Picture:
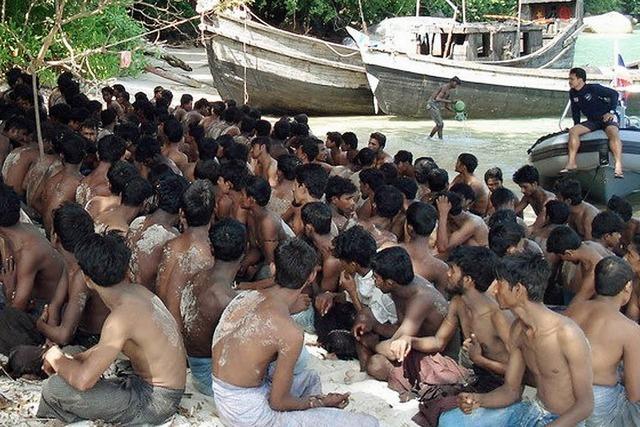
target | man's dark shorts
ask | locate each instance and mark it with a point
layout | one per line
(600, 124)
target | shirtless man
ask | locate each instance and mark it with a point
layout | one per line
(190, 252)
(17, 164)
(509, 238)
(311, 180)
(282, 193)
(370, 180)
(265, 166)
(16, 131)
(606, 229)
(62, 186)
(465, 166)
(565, 242)
(386, 223)
(233, 177)
(403, 160)
(341, 194)
(140, 327)
(420, 222)
(437, 100)
(615, 340)
(623, 208)
(528, 179)
(206, 295)
(556, 214)
(265, 229)
(118, 176)
(120, 216)
(173, 131)
(148, 234)
(334, 143)
(484, 325)
(632, 310)
(377, 142)
(581, 213)
(470, 229)
(38, 266)
(76, 314)
(255, 330)
(110, 149)
(421, 310)
(550, 346)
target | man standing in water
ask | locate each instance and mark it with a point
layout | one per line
(439, 99)
(255, 330)
(598, 103)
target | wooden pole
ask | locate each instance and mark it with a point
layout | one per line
(36, 106)
(517, 47)
(450, 36)
(417, 7)
(364, 24)
(464, 11)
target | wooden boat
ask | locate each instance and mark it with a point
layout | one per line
(403, 82)
(595, 163)
(282, 72)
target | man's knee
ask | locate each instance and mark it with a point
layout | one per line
(54, 387)
(378, 367)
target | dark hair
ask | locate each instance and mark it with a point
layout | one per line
(394, 264)
(201, 103)
(173, 130)
(469, 161)
(104, 258)
(579, 73)
(355, 245)
(390, 172)
(128, 131)
(527, 174)
(382, 140)
(108, 116)
(236, 173)
(295, 260)
(228, 239)
(111, 148)
(287, 164)
(403, 156)
(78, 114)
(60, 112)
(247, 124)
(9, 206)
(557, 212)
(493, 173)
(571, 190)
(198, 202)
(136, 191)
(196, 132)
(207, 169)
(528, 269)
(71, 223)
(456, 80)
(169, 190)
(18, 122)
(562, 239)
(454, 199)
(232, 115)
(422, 170)
(606, 222)
(388, 201)
(119, 174)
(237, 151)
(147, 149)
(262, 127)
(261, 140)
(502, 196)
(207, 148)
(309, 147)
(317, 214)
(501, 216)
(438, 180)
(185, 99)
(611, 276)
(313, 177)
(335, 137)
(365, 157)
(282, 129)
(372, 177)
(351, 140)
(422, 218)
(620, 206)
(217, 108)
(464, 191)
(505, 235)
(477, 262)
(338, 186)
(408, 187)
(258, 189)
(72, 148)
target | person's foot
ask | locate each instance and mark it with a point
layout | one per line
(619, 174)
(568, 169)
(352, 376)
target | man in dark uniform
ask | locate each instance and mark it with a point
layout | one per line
(598, 103)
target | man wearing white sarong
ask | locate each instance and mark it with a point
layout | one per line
(256, 329)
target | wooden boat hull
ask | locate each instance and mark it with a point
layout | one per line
(285, 73)
(595, 163)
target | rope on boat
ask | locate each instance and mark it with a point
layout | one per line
(342, 55)
(244, 51)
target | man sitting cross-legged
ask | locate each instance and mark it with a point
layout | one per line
(140, 327)
(551, 346)
(256, 329)
(484, 325)
(615, 340)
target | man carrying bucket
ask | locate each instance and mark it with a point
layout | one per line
(439, 99)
